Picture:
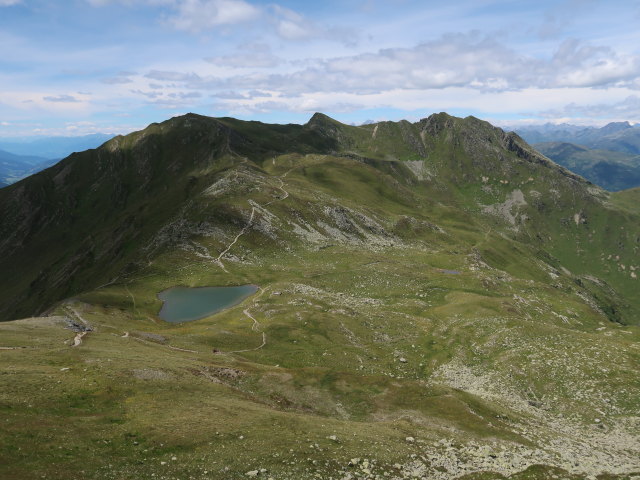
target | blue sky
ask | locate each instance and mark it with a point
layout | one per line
(74, 67)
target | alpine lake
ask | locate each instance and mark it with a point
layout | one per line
(185, 304)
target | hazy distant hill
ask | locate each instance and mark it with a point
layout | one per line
(611, 170)
(14, 167)
(616, 136)
(53, 147)
(22, 157)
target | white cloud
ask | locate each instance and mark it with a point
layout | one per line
(199, 15)
(627, 109)
(455, 60)
(28, 103)
(102, 3)
(119, 78)
(248, 56)
(610, 104)
(291, 25)
(61, 99)
(8, 3)
(196, 15)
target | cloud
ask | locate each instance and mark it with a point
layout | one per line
(593, 66)
(561, 16)
(163, 99)
(61, 99)
(8, 3)
(468, 60)
(291, 25)
(199, 15)
(195, 15)
(627, 109)
(171, 76)
(248, 56)
(258, 94)
(232, 95)
(103, 3)
(155, 94)
(185, 95)
(119, 79)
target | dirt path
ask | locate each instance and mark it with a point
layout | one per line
(264, 342)
(127, 335)
(242, 232)
(250, 222)
(161, 345)
(255, 327)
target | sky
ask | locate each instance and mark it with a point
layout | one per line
(74, 67)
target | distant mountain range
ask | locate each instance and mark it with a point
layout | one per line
(611, 170)
(617, 136)
(15, 167)
(21, 157)
(53, 147)
(607, 156)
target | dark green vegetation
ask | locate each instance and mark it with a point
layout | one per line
(611, 170)
(362, 356)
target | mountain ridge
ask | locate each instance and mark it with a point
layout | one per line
(139, 164)
(434, 300)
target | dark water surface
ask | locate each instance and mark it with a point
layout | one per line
(184, 304)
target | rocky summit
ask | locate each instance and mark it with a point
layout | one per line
(432, 300)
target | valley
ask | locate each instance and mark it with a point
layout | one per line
(436, 300)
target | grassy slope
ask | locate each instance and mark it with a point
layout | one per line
(627, 199)
(513, 353)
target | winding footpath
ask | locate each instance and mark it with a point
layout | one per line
(242, 232)
(256, 325)
(250, 221)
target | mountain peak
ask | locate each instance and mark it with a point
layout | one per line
(615, 127)
(321, 119)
